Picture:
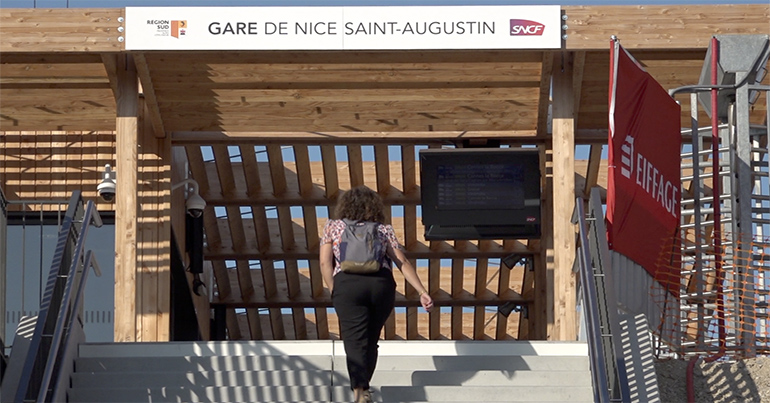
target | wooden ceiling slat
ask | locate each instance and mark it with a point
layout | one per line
(349, 59)
(305, 96)
(524, 126)
(257, 63)
(406, 138)
(511, 75)
(517, 101)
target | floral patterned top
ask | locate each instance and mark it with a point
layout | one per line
(333, 232)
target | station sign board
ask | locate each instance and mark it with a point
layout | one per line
(343, 28)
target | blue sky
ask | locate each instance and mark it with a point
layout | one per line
(221, 3)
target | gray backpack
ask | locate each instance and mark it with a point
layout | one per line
(361, 250)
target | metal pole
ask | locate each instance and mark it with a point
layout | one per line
(717, 198)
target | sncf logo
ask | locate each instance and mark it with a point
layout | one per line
(527, 28)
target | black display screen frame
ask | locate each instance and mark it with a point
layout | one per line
(480, 193)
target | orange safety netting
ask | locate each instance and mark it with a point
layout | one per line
(722, 305)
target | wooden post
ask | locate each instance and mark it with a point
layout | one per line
(126, 202)
(565, 321)
(154, 235)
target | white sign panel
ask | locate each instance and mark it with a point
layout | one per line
(343, 28)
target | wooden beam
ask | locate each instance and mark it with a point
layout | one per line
(565, 317)
(544, 100)
(148, 90)
(110, 62)
(350, 137)
(592, 170)
(51, 30)
(154, 232)
(126, 309)
(664, 26)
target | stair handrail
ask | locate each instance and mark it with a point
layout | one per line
(60, 305)
(610, 379)
(590, 308)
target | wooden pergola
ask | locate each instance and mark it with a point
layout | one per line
(273, 137)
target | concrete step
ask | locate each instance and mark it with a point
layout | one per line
(331, 347)
(472, 378)
(316, 371)
(270, 394)
(316, 363)
(209, 349)
(325, 377)
(477, 363)
(209, 363)
(202, 378)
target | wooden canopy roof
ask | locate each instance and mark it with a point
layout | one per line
(253, 125)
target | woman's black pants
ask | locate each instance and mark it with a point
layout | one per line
(363, 303)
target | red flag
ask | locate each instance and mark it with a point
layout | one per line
(643, 191)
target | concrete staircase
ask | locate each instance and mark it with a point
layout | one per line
(315, 371)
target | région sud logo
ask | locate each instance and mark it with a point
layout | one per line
(526, 28)
(174, 28)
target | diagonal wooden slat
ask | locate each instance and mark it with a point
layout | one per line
(224, 289)
(381, 161)
(304, 172)
(457, 291)
(544, 100)
(148, 90)
(355, 165)
(277, 169)
(244, 278)
(250, 169)
(254, 324)
(503, 289)
(434, 277)
(224, 169)
(331, 182)
(480, 289)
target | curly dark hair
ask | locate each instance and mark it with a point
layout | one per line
(361, 203)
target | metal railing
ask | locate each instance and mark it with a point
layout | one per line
(608, 369)
(51, 347)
